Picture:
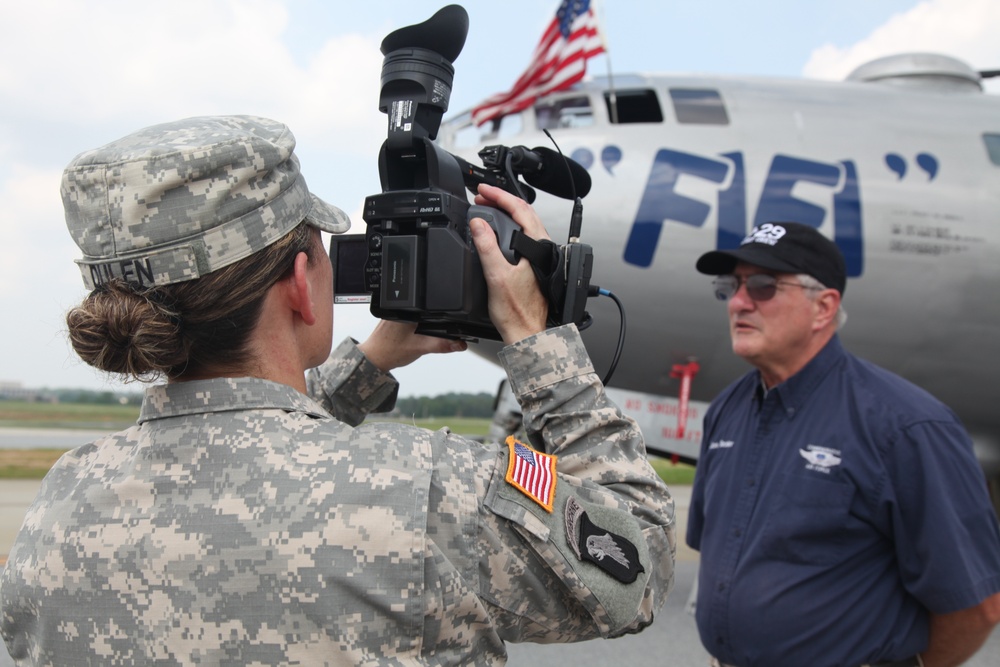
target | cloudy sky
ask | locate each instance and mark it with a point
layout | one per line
(75, 74)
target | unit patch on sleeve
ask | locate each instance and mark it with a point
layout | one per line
(609, 551)
(532, 472)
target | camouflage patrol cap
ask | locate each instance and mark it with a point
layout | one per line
(175, 201)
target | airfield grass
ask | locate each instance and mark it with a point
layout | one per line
(27, 463)
(34, 463)
(23, 414)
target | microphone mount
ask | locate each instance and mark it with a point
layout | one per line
(541, 167)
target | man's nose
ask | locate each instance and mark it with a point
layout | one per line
(741, 297)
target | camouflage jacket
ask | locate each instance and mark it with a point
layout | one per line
(238, 523)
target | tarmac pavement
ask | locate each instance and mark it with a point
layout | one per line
(15, 497)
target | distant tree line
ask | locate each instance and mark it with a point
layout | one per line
(419, 407)
(88, 396)
(94, 397)
(446, 405)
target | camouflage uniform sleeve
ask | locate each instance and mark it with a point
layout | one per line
(350, 387)
(552, 576)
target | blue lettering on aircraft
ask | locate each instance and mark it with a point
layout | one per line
(928, 163)
(733, 207)
(896, 164)
(610, 157)
(777, 203)
(661, 202)
(583, 156)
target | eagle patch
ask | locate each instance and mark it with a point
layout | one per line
(609, 551)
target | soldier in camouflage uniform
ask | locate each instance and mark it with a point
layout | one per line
(242, 522)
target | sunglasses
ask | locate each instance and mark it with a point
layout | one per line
(760, 286)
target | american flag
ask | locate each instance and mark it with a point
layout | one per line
(534, 473)
(559, 61)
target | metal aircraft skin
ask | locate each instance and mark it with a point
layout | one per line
(900, 165)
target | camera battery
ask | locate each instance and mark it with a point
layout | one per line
(402, 257)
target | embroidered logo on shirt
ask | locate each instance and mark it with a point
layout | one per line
(532, 472)
(609, 551)
(820, 459)
(721, 444)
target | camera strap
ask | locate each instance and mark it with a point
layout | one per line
(543, 255)
(545, 259)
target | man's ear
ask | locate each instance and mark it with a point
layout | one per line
(826, 306)
(300, 290)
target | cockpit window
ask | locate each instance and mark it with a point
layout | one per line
(511, 125)
(699, 106)
(992, 142)
(469, 135)
(465, 136)
(565, 112)
(633, 106)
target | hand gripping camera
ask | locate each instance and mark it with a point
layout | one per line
(417, 261)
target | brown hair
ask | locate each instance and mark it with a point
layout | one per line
(195, 328)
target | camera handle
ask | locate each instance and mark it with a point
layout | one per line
(563, 273)
(503, 226)
(514, 244)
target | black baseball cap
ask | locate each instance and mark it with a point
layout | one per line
(786, 247)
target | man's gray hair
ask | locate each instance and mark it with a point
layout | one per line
(813, 286)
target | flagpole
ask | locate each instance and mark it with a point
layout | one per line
(612, 97)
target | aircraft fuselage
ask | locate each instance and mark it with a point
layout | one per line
(905, 179)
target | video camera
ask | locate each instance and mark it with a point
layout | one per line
(416, 261)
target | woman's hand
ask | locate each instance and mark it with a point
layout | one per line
(517, 307)
(396, 344)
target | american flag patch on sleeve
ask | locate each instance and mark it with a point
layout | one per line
(532, 472)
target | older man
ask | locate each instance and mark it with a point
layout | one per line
(840, 513)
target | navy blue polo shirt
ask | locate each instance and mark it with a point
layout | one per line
(831, 514)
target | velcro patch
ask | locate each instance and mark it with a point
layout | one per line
(532, 472)
(609, 551)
